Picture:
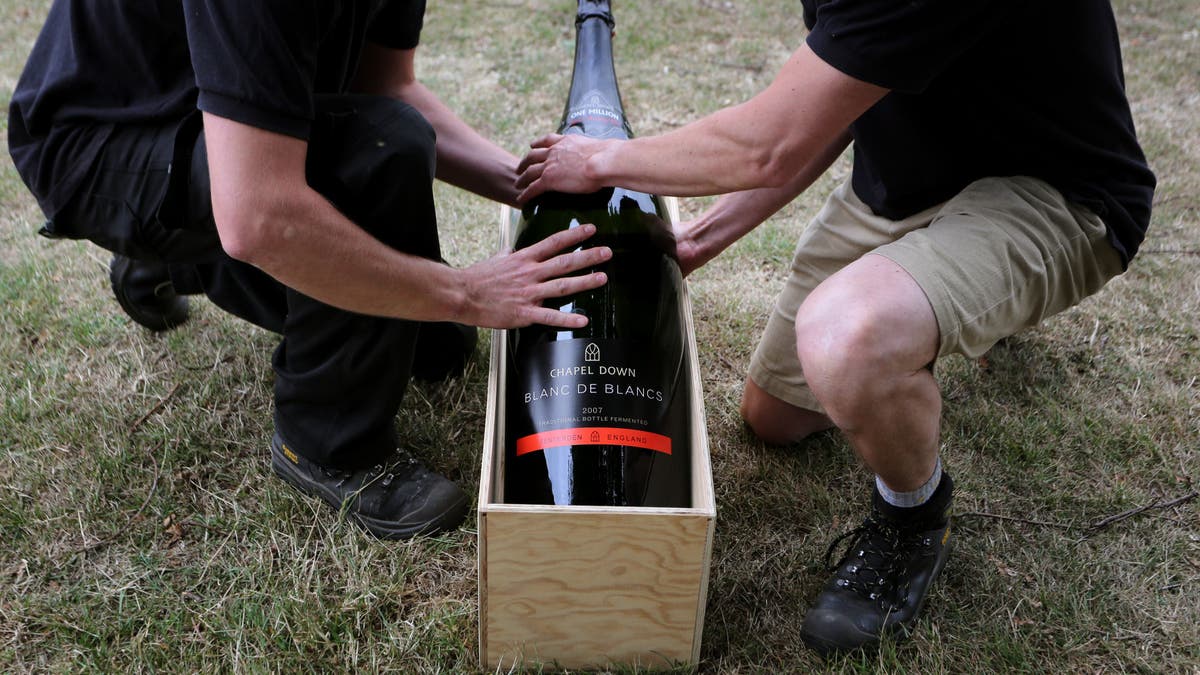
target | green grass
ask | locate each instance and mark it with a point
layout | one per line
(161, 542)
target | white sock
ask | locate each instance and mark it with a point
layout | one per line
(907, 500)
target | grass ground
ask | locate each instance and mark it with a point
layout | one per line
(143, 531)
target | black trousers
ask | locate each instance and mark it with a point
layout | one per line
(339, 376)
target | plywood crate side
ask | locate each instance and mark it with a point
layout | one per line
(582, 589)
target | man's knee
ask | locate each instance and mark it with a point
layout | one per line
(374, 158)
(372, 138)
(860, 328)
(838, 350)
(400, 135)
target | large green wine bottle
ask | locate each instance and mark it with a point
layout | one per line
(600, 415)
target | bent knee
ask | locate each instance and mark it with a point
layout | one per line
(840, 340)
(864, 330)
(870, 314)
(376, 134)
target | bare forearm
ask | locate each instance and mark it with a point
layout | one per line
(318, 251)
(710, 156)
(315, 250)
(267, 215)
(735, 214)
(762, 143)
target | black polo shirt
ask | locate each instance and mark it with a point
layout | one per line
(989, 88)
(98, 64)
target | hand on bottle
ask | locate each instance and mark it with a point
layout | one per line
(507, 290)
(557, 163)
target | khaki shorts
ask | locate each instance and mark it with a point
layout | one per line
(1000, 256)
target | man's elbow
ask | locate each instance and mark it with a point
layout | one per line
(759, 167)
(247, 234)
(773, 167)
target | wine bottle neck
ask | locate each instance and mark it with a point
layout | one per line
(594, 105)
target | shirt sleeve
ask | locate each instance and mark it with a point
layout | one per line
(255, 62)
(900, 45)
(398, 24)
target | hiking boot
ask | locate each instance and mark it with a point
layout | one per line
(880, 585)
(443, 350)
(396, 499)
(144, 290)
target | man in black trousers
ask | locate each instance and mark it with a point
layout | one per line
(278, 156)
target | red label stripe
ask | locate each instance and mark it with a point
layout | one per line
(593, 436)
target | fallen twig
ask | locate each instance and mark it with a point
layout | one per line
(1027, 521)
(1095, 526)
(157, 406)
(1118, 517)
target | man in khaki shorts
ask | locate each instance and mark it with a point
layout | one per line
(997, 180)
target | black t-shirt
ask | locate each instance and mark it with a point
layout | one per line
(102, 63)
(989, 88)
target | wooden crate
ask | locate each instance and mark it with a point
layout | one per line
(579, 587)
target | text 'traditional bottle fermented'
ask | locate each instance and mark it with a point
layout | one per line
(599, 415)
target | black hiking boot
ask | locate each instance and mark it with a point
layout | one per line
(144, 290)
(881, 583)
(396, 499)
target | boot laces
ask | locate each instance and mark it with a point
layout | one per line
(874, 563)
(382, 474)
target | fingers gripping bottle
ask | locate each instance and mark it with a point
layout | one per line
(600, 415)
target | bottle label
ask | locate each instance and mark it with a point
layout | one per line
(596, 116)
(589, 392)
